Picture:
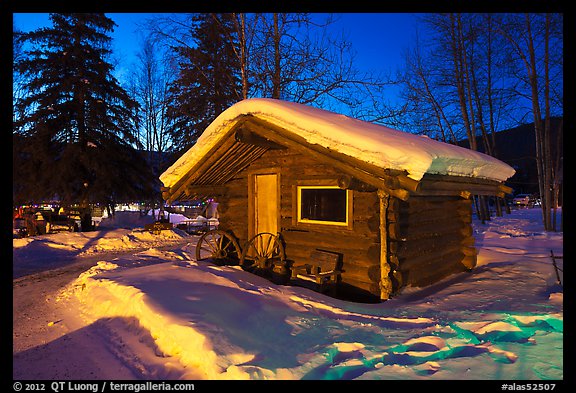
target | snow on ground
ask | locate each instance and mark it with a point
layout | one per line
(124, 231)
(162, 315)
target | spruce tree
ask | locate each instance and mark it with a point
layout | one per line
(209, 79)
(74, 137)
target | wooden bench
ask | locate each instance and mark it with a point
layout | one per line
(193, 227)
(324, 269)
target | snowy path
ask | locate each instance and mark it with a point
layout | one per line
(49, 341)
(43, 345)
(47, 332)
(40, 253)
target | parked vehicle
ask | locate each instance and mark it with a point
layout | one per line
(41, 221)
(525, 200)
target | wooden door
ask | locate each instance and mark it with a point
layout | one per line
(266, 201)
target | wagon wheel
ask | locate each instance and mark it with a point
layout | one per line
(261, 252)
(219, 247)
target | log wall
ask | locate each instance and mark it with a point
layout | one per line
(430, 238)
(359, 243)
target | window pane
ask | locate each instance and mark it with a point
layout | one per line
(323, 204)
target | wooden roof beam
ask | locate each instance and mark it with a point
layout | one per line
(244, 135)
(459, 186)
(225, 143)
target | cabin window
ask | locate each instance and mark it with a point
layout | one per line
(323, 205)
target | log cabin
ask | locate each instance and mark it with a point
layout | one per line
(395, 206)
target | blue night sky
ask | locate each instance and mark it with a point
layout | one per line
(378, 39)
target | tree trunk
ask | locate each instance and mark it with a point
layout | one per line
(538, 127)
(547, 163)
(276, 76)
(243, 57)
(459, 78)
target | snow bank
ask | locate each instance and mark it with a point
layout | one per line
(373, 143)
(224, 323)
(83, 243)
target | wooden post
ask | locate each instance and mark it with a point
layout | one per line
(506, 206)
(385, 281)
(498, 206)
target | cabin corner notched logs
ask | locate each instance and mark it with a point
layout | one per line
(430, 238)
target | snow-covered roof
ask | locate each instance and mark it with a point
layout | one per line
(372, 143)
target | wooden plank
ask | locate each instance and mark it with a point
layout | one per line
(464, 194)
(326, 260)
(459, 214)
(419, 203)
(349, 182)
(263, 201)
(454, 185)
(217, 164)
(505, 189)
(365, 273)
(292, 179)
(323, 266)
(223, 171)
(209, 191)
(399, 232)
(345, 241)
(433, 262)
(415, 262)
(177, 189)
(352, 231)
(469, 261)
(408, 183)
(406, 249)
(245, 136)
(352, 267)
(427, 276)
(386, 286)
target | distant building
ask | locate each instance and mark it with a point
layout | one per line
(516, 147)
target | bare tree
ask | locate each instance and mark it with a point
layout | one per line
(291, 56)
(534, 40)
(243, 48)
(458, 74)
(426, 110)
(294, 58)
(151, 78)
